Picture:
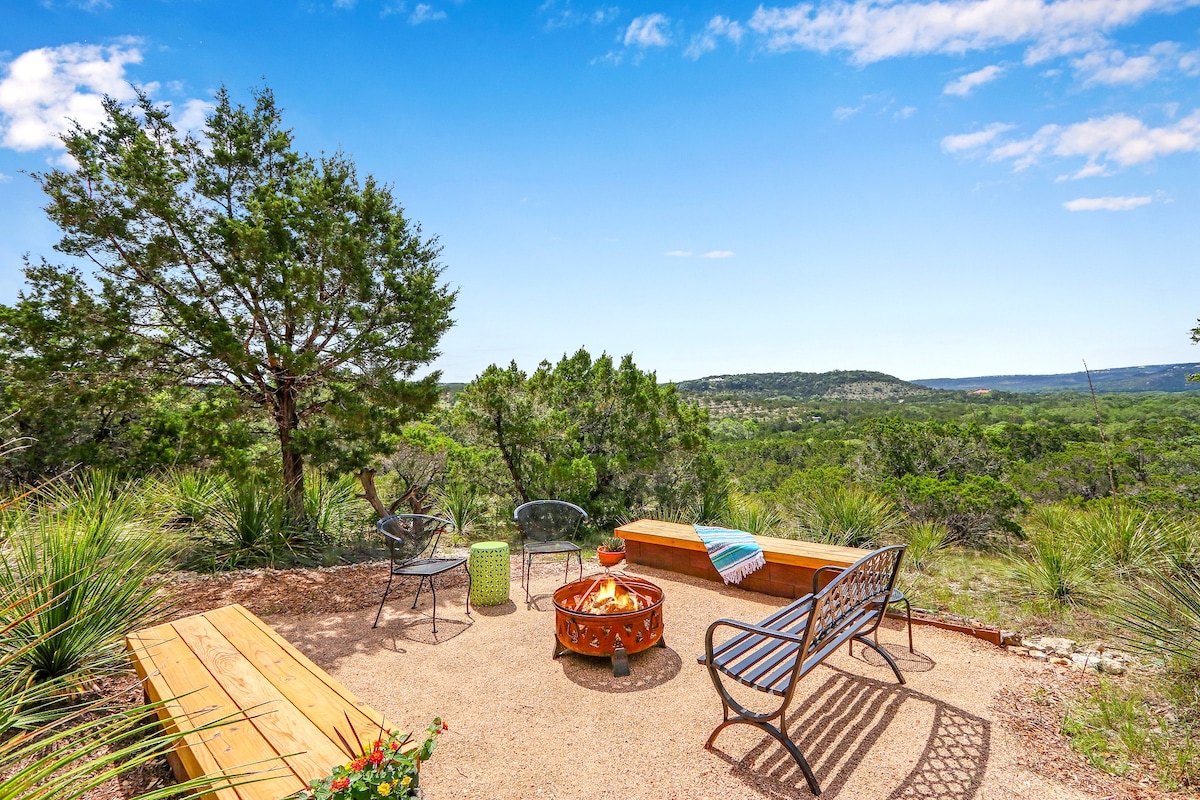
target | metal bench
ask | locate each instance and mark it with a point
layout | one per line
(773, 655)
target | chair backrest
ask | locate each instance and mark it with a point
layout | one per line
(549, 520)
(409, 536)
(868, 581)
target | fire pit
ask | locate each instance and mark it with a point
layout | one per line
(609, 614)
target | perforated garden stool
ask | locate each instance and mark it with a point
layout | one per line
(490, 573)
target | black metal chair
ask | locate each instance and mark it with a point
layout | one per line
(412, 544)
(547, 526)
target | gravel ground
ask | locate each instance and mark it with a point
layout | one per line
(525, 726)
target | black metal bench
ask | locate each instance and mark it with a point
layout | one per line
(773, 655)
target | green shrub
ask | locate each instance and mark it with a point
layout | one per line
(1053, 571)
(189, 496)
(1120, 538)
(461, 504)
(86, 557)
(847, 515)
(1161, 612)
(332, 506)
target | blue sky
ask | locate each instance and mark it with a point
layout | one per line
(931, 189)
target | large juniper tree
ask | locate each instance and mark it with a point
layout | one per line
(239, 261)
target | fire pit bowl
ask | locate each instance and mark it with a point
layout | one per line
(608, 614)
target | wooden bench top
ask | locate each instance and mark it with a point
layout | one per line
(290, 712)
(776, 551)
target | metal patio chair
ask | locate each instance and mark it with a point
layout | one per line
(412, 544)
(548, 527)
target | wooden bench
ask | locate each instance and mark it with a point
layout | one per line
(773, 655)
(790, 563)
(290, 717)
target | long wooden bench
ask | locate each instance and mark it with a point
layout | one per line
(774, 654)
(290, 716)
(790, 563)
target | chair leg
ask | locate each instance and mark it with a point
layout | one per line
(433, 588)
(527, 569)
(908, 613)
(468, 593)
(420, 586)
(391, 575)
(579, 555)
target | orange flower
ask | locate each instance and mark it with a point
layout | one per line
(394, 746)
(376, 757)
(357, 764)
(339, 784)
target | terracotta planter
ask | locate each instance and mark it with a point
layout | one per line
(609, 558)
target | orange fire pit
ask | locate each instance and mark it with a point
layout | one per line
(609, 614)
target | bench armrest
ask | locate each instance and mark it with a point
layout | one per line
(817, 575)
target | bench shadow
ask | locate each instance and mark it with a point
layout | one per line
(647, 669)
(836, 728)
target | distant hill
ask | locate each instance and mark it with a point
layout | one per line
(1157, 378)
(837, 385)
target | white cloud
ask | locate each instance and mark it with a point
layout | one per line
(971, 141)
(193, 114)
(678, 253)
(717, 27)
(873, 30)
(564, 15)
(965, 84)
(905, 112)
(846, 112)
(648, 31)
(44, 89)
(612, 58)
(1105, 143)
(425, 13)
(1112, 67)
(5, 178)
(1107, 203)
(719, 254)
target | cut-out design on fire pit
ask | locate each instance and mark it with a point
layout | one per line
(610, 614)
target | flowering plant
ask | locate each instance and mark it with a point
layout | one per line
(388, 768)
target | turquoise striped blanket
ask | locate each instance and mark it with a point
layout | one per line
(735, 554)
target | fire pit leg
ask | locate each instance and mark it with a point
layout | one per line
(558, 649)
(620, 662)
(662, 642)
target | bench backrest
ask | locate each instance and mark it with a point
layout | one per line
(842, 603)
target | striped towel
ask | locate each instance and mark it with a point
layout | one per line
(735, 554)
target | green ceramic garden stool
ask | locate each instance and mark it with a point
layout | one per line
(490, 573)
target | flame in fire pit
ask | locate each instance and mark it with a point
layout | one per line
(609, 598)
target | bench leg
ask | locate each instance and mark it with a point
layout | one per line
(886, 655)
(780, 737)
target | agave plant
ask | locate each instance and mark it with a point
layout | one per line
(461, 504)
(1122, 539)
(847, 515)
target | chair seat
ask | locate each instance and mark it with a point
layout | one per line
(551, 547)
(896, 596)
(428, 566)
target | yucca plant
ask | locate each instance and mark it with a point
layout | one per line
(851, 516)
(925, 544)
(189, 495)
(1162, 614)
(1122, 539)
(331, 505)
(87, 566)
(752, 516)
(248, 528)
(461, 504)
(54, 746)
(1053, 571)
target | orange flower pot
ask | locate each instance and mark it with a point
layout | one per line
(609, 558)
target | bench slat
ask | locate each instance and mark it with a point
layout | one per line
(234, 748)
(307, 750)
(298, 681)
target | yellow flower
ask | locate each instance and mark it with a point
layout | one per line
(384, 789)
(405, 781)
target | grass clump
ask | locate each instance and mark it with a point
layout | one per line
(850, 516)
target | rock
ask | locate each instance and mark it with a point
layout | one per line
(1010, 638)
(1110, 666)
(1061, 661)
(1054, 645)
(1018, 651)
(1084, 660)
(1038, 655)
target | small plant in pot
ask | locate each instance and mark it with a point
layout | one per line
(390, 767)
(611, 551)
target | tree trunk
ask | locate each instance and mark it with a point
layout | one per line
(367, 478)
(293, 461)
